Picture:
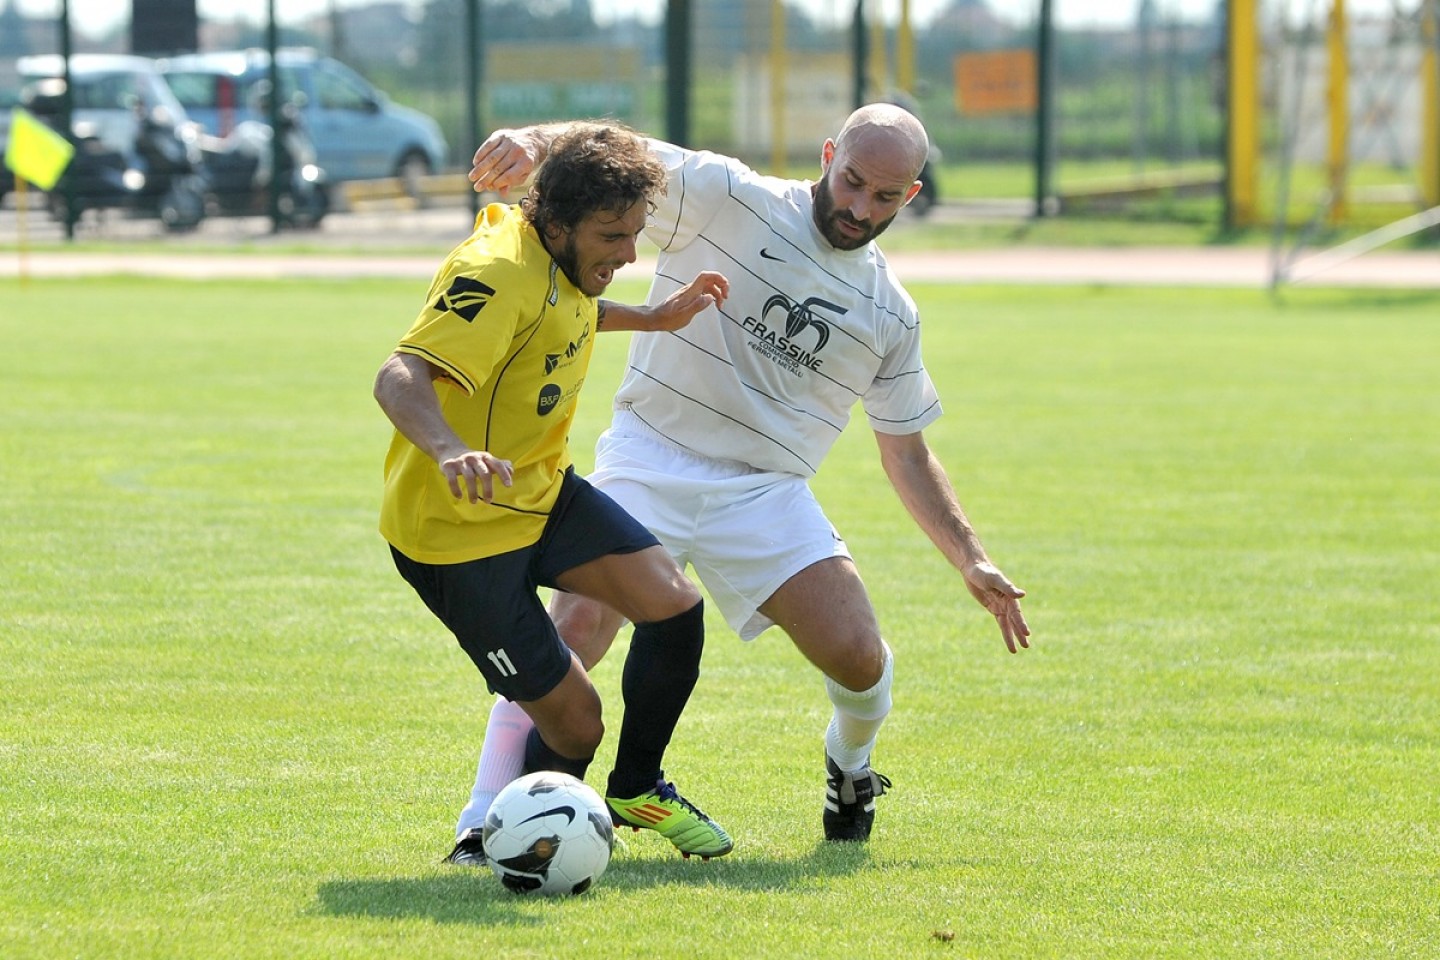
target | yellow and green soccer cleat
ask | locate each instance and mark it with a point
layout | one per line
(674, 818)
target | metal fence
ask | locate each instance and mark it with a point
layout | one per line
(1139, 93)
(1138, 86)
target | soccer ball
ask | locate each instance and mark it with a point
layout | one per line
(548, 833)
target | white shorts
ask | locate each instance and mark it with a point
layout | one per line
(744, 531)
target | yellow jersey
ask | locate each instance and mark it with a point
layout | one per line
(513, 336)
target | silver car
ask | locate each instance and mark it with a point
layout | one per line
(358, 132)
(112, 92)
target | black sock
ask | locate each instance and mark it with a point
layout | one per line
(660, 672)
(539, 756)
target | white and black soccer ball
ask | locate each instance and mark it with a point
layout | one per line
(548, 833)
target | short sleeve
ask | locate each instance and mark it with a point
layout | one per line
(468, 321)
(902, 398)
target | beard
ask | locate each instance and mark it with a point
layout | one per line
(827, 216)
(567, 258)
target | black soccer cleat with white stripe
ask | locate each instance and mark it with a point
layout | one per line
(850, 802)
(469, 849)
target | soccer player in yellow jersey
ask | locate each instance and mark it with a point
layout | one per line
(482, 506)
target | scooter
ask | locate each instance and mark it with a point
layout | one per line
(241, 166)
(158, 175)
(929, 194)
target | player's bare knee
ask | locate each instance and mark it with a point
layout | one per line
(590, 736)
(579, 736)
(858, 664)
(669, 596)
(681, 596)
(583, 626)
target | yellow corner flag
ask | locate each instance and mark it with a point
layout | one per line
(35, 152)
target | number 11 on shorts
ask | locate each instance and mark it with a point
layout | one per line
(501, 660)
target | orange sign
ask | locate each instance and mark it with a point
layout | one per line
(997, 81)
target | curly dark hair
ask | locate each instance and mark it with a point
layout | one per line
(590, 168)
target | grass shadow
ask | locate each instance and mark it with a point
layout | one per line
(467, 896)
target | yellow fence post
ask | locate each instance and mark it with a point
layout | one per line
(1339, 112)
(1243, 147)
(905, 51)
(1430, 104)
(879, 54)
(779, 154)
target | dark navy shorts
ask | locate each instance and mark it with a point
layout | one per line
(493, 607)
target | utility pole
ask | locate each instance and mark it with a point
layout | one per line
(1044, 110)
(474, 79)
(678, 72)
(159, 28)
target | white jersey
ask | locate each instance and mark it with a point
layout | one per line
(769, 379)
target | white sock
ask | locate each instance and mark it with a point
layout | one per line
(857, 718)
(502, 759)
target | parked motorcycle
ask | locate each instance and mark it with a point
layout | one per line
(241, 166)
(929, 194)
(157, 175)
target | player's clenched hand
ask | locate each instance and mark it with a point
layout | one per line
(675, 311)
(506, 159)
(472, 474)
(1002, 598)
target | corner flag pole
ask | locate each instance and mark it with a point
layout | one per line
(36, 155)
(22, 208)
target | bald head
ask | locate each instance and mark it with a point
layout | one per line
(869, 171)
(887, 127)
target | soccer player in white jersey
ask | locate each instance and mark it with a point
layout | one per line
(718, 427)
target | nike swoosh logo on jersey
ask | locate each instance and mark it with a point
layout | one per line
(767, 255)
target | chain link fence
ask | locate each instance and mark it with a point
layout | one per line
(1139, 97)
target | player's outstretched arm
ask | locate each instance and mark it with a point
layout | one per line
(405, 390)
(508, 157)
(675, 311)
(928, 495)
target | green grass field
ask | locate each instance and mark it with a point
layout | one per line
(230, 730)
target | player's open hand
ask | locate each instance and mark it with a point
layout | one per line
(472, 475)
(675, 311)
(505, 160)
(1002, 598)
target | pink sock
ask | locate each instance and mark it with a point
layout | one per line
(502, 759)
